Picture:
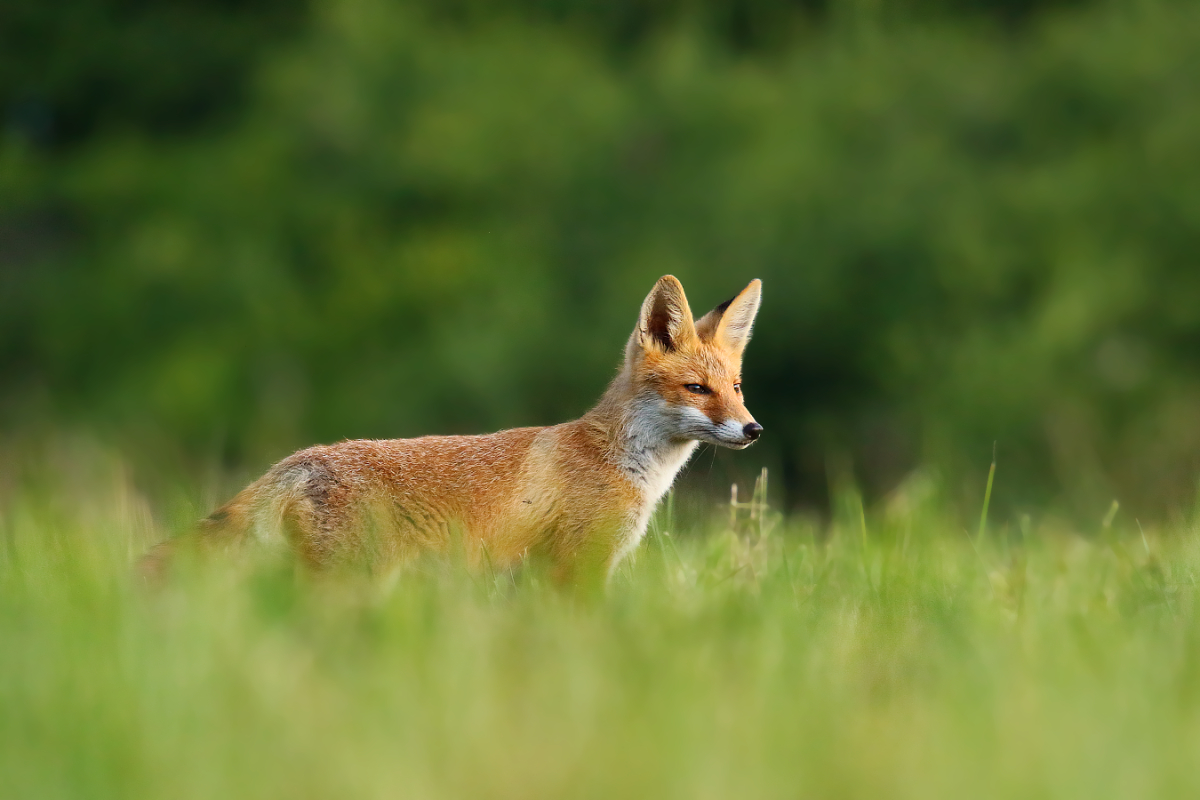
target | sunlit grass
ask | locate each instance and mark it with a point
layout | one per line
(886, 654)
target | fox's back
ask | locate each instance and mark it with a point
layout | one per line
(407, 492)
(459, 469)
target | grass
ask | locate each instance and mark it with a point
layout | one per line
(882, 655)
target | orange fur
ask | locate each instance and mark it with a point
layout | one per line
(579, 494)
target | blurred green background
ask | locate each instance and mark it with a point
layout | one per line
(230, 229)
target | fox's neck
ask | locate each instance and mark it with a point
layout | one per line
(647, 457)
(639, 439)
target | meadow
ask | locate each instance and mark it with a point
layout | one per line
(231, 230)
(894, 651)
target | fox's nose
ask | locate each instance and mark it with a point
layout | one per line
(753, 430)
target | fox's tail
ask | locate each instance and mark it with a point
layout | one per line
(224, 529)
(278, 507)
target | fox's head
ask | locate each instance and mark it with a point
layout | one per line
(686, 373)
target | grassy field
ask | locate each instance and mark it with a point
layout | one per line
(887, 654)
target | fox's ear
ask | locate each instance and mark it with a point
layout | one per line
(666, 320)
(728, 325)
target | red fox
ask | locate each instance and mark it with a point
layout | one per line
(578, 495)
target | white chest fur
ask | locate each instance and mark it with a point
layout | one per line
(653, 450)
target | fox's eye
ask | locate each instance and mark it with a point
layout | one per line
(697, 388)
(737, 387)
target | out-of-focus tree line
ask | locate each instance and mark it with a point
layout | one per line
(243, 227)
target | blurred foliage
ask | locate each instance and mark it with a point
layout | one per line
(247, 227)
(71, 70)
